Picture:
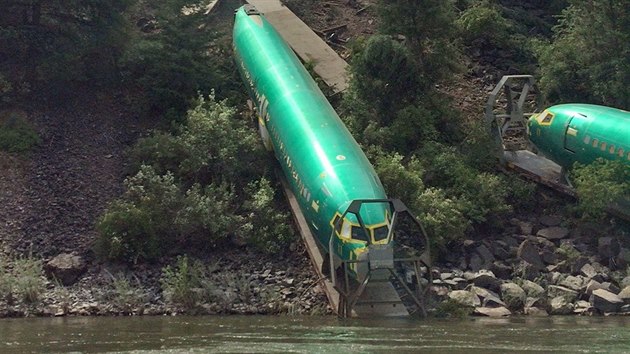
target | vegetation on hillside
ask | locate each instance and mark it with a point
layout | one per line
(206, 182)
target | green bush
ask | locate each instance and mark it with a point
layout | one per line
(441, 218)
(24, 281)
(483, 20)
(599, 185)
(438, 214)
(182, 284)
(17, 134)
(266, 227)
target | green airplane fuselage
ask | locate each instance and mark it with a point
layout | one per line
(570, 133)
(324, 165)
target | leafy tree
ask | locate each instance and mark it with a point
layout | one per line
(589, 58)
(428, 27)
(181, 58)
(57, 42)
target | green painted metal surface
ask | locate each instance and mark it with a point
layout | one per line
(570, 133)
(324, 165)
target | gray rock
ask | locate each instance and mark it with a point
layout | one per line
(536, 302)
(486, 279)
(513, 296)
(66, 268)
(605, 301)
(553, 233)
(549, 256)
(493, 301)
(625, 294)
(625, 282)
(608, 247)
(582, 307)
(535, 312)
(501, 269)
(554, 291)
(528, 252)
(486, 256)
(465, 298)
(475, 263)
(526, 270)
(501, 250)
(492, 311)
(525, 227)
(588, 271)
(532, 289)
(592, 285)
(483, 293)
(554, 277)
(550, 220)
(573, 283)
(576, 265)
(611, 287)
(561, 306)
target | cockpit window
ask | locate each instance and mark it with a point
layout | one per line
(359, 234)
(345, 229)
(380, 233)
(545, 118)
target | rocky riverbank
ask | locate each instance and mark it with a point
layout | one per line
(540, 269)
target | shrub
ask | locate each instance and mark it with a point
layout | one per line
(24, 281)
(441, 219)
(182, 283)
(17, 134)
(483, 20)
(139, 226)
(599, 185)
(266, 227)
(124, 295)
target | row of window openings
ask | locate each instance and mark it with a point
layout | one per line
(346, 230)
(603, 146)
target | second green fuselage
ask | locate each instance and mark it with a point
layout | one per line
(570, 133)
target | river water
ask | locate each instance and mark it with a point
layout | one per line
(269, 334)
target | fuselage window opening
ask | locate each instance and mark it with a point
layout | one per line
(380, 233)
(603, 146)
(620, 152)
(611, 149)
(336, 224)
(545, 118)
(346, 229)
(587, 139)
(359, 234)
(595, 143)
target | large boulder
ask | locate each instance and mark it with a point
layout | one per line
(550, 220)
(625, 295)
(605, 301)
(573, 283)
(486, 279)
(492, 311)
(528, 252)
(608, 247)
(535, 312)
(513, 296)
(554, 291)
(465, 298)
(553, 233)
(66, 268)
(532, 289)
(561, 306)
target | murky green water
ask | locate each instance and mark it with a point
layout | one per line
(255, 334)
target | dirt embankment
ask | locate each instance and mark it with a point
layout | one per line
(52, 197)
